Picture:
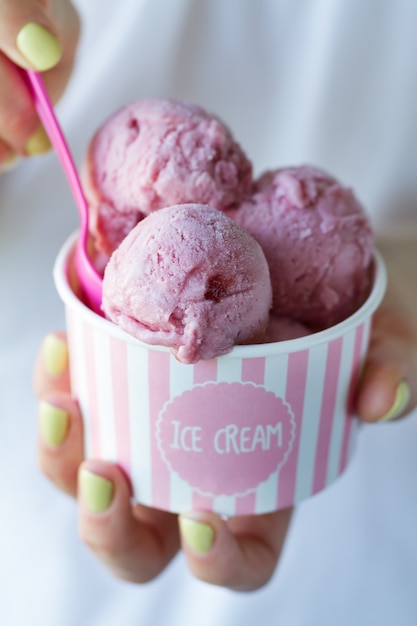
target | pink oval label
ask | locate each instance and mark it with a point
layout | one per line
(225, 438)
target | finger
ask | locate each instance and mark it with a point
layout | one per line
(60, 442)
(28, 36)
(18, 118)
(51, 372)
(67, 23)
(135, 543)
(240, 553)
(28, 44)
(7, 156)
(388, 388)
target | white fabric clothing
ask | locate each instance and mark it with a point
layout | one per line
(329, 82)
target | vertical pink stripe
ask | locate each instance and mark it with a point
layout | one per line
(355, 372)
(93, 412)
(295, 393)
(119, 375)
(205, 371)
(331, 377)
(253, 370)
(158, 365)
(245, 505)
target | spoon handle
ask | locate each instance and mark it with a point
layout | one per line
(47, 116)
(90, 279)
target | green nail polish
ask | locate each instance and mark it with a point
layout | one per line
(38, 46)
(198, 536)
(53, 423)
(96, 491)
(55, 355)
(402, 398)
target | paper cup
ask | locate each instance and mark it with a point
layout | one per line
(254, 431)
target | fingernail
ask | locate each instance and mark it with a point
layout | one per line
(198, 536)
(38, 46)
(53, 423)
(96, 491)
(54, 355)
(38, 143)
(402, 398)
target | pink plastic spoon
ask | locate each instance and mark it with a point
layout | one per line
(90, 279)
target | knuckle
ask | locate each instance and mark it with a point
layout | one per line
(103, 544)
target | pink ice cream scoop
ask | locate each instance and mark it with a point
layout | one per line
(155, 153)
(189, 278)
(317, 241)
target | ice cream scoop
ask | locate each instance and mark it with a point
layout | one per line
(90, 279)
(189, 278)
(155, 153)
(317, 240)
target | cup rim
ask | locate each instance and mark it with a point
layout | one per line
(70, 299)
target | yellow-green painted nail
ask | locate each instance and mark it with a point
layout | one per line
(55, 355)
(38, 46)
(38, 143)
(402, 398)
(53, 423)
(96, 490)
(198, 536)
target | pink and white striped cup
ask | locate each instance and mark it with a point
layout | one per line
(254, 431)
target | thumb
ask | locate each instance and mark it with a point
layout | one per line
(28, 35)
(388, 388)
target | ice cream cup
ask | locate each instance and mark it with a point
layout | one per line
(254, 431)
